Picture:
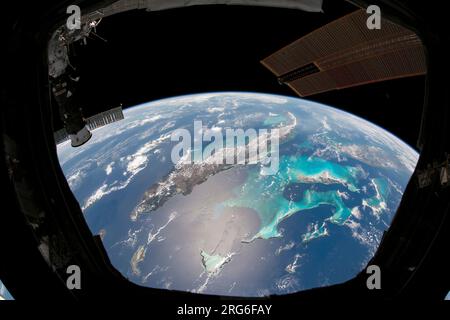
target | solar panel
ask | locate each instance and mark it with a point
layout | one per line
(96, 121)
(345, 53)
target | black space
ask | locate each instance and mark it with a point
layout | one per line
(152, 55)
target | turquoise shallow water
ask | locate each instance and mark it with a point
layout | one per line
(212, 262)
(264, 194)
(293, 168)
(275, 120)
(382, 186)
(378, 201)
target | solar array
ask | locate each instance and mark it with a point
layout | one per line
(346, 53)
(96, 121)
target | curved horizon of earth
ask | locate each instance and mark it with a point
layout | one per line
(4, 293)
(232, 229)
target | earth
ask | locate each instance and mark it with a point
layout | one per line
(4, 293)
(234, 229)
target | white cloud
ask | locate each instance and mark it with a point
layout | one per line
(168, 125)
(152, 236)
(137, 163)
(75, 179)
(131, 240)
(109, 168)
(139, 160)
(356, 213)
(325, 124)
(374, 134)
(97, 195)
(215, 109)
(292, 267)
(288, 246)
